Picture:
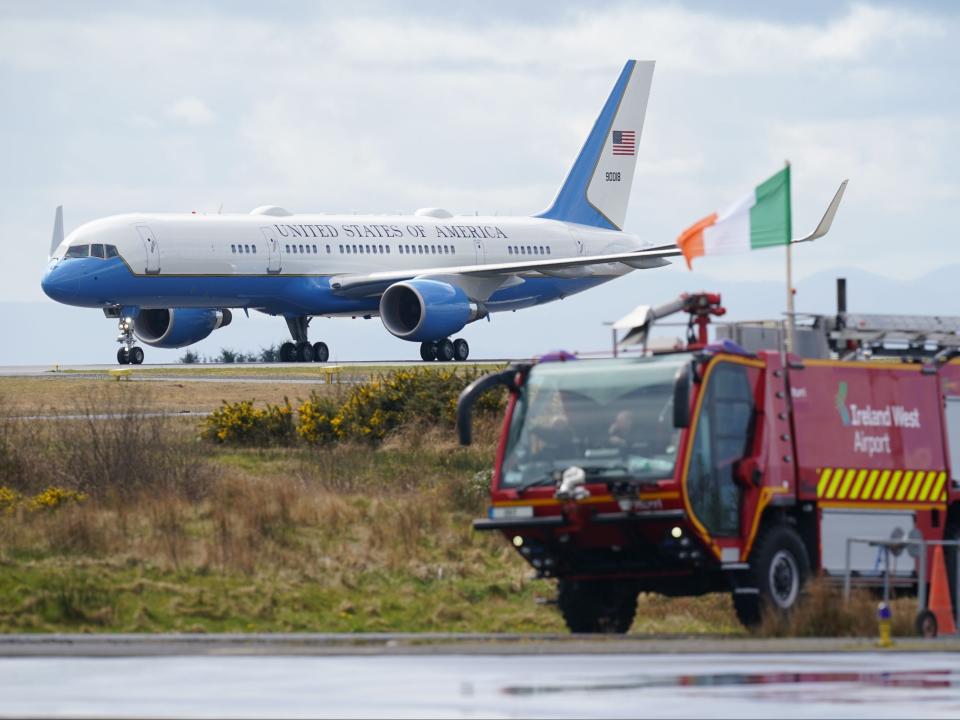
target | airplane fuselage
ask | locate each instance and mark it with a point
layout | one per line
(283, 264)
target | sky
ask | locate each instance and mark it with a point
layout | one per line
(383, 107)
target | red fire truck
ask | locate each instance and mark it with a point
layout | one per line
(728, 466)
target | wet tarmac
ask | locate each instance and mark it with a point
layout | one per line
(522, 677)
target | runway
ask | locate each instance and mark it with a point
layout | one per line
(447, 676)
(450, 675)
(226, 371)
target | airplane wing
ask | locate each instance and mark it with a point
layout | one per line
(485, 279)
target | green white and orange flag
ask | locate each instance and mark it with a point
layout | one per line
(759, 220)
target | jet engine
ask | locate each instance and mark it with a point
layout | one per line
(178, 327)
(427, 310)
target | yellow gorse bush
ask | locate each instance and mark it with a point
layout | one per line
(369, 412)
(54, 497)
(241, 423)
(50, 499)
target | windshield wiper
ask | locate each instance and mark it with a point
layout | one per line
(544, 480)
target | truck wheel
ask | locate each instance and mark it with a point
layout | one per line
(597, 606)
(779, 568)
(925, 624)
(952, 532)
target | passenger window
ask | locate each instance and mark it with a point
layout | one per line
(96, 250)
(111, 251)
(509, 250)
(254, 248)
(287, 248)
(548, 249)
(328, 249)
(315, 248)
(301, 248)
(246, 248)
(77, 251)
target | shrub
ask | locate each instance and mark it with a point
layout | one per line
(373, 409)
(190, 358)
(9, 499)
(55, 497)
(315, 422)
(241, 423)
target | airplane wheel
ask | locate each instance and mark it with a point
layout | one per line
(321, 353)
(304, 352)
(444, 350)
(123, 357)
(136, 355)
(461, 350)
(428, 351)
(288, 352)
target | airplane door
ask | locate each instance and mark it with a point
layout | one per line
(273, 250)
(481, 254)
(152, 249)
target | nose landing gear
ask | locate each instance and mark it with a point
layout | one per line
(445, 350)
(129, 353)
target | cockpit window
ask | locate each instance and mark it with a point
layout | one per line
(96, 251)
(78, 251)
(110, 251)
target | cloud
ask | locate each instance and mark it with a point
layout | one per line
(192, 111)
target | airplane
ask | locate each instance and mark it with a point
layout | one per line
(170, 279)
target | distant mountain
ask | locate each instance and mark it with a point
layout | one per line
(44, 333)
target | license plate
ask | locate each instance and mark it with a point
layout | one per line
(512, 512)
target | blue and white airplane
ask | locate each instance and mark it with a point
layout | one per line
(172, 279)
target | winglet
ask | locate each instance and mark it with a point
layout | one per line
(827, 220)
(57, 230)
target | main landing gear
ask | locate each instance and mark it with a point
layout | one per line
(301, 350)
(445, 350)
(129, 353)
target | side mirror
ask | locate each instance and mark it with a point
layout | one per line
(470, 394)
(682, 383)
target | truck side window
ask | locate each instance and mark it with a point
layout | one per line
(723, 437)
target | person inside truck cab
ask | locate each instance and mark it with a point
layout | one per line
(620, 432)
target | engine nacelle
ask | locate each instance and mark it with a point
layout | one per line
(178, 327)
(426, 310)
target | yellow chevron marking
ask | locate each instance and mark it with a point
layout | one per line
(824, 480)
(878, 492)
(871, 481)
(915, 485)
(855, 492)
(905, 484)
(894, 481)
(931, 476)
(847, 479)
(938, 494)
(837, 477)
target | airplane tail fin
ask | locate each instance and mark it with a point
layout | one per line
(57, 230)
(597, 188)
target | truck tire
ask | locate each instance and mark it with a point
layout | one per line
(779, 568)
(952, 532)
(597, 606)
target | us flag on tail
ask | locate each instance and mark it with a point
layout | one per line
(624, 142)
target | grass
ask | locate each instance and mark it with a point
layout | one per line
(176, 534)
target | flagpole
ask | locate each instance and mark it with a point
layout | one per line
(791, 328)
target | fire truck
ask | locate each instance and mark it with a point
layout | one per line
(730, 466)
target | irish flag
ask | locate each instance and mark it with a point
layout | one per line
(761, 219)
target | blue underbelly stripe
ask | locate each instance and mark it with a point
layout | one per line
(110, 282)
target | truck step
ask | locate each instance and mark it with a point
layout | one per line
(735, 566)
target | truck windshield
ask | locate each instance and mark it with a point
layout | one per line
(613, 418)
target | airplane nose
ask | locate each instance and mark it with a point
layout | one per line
(59, 287)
